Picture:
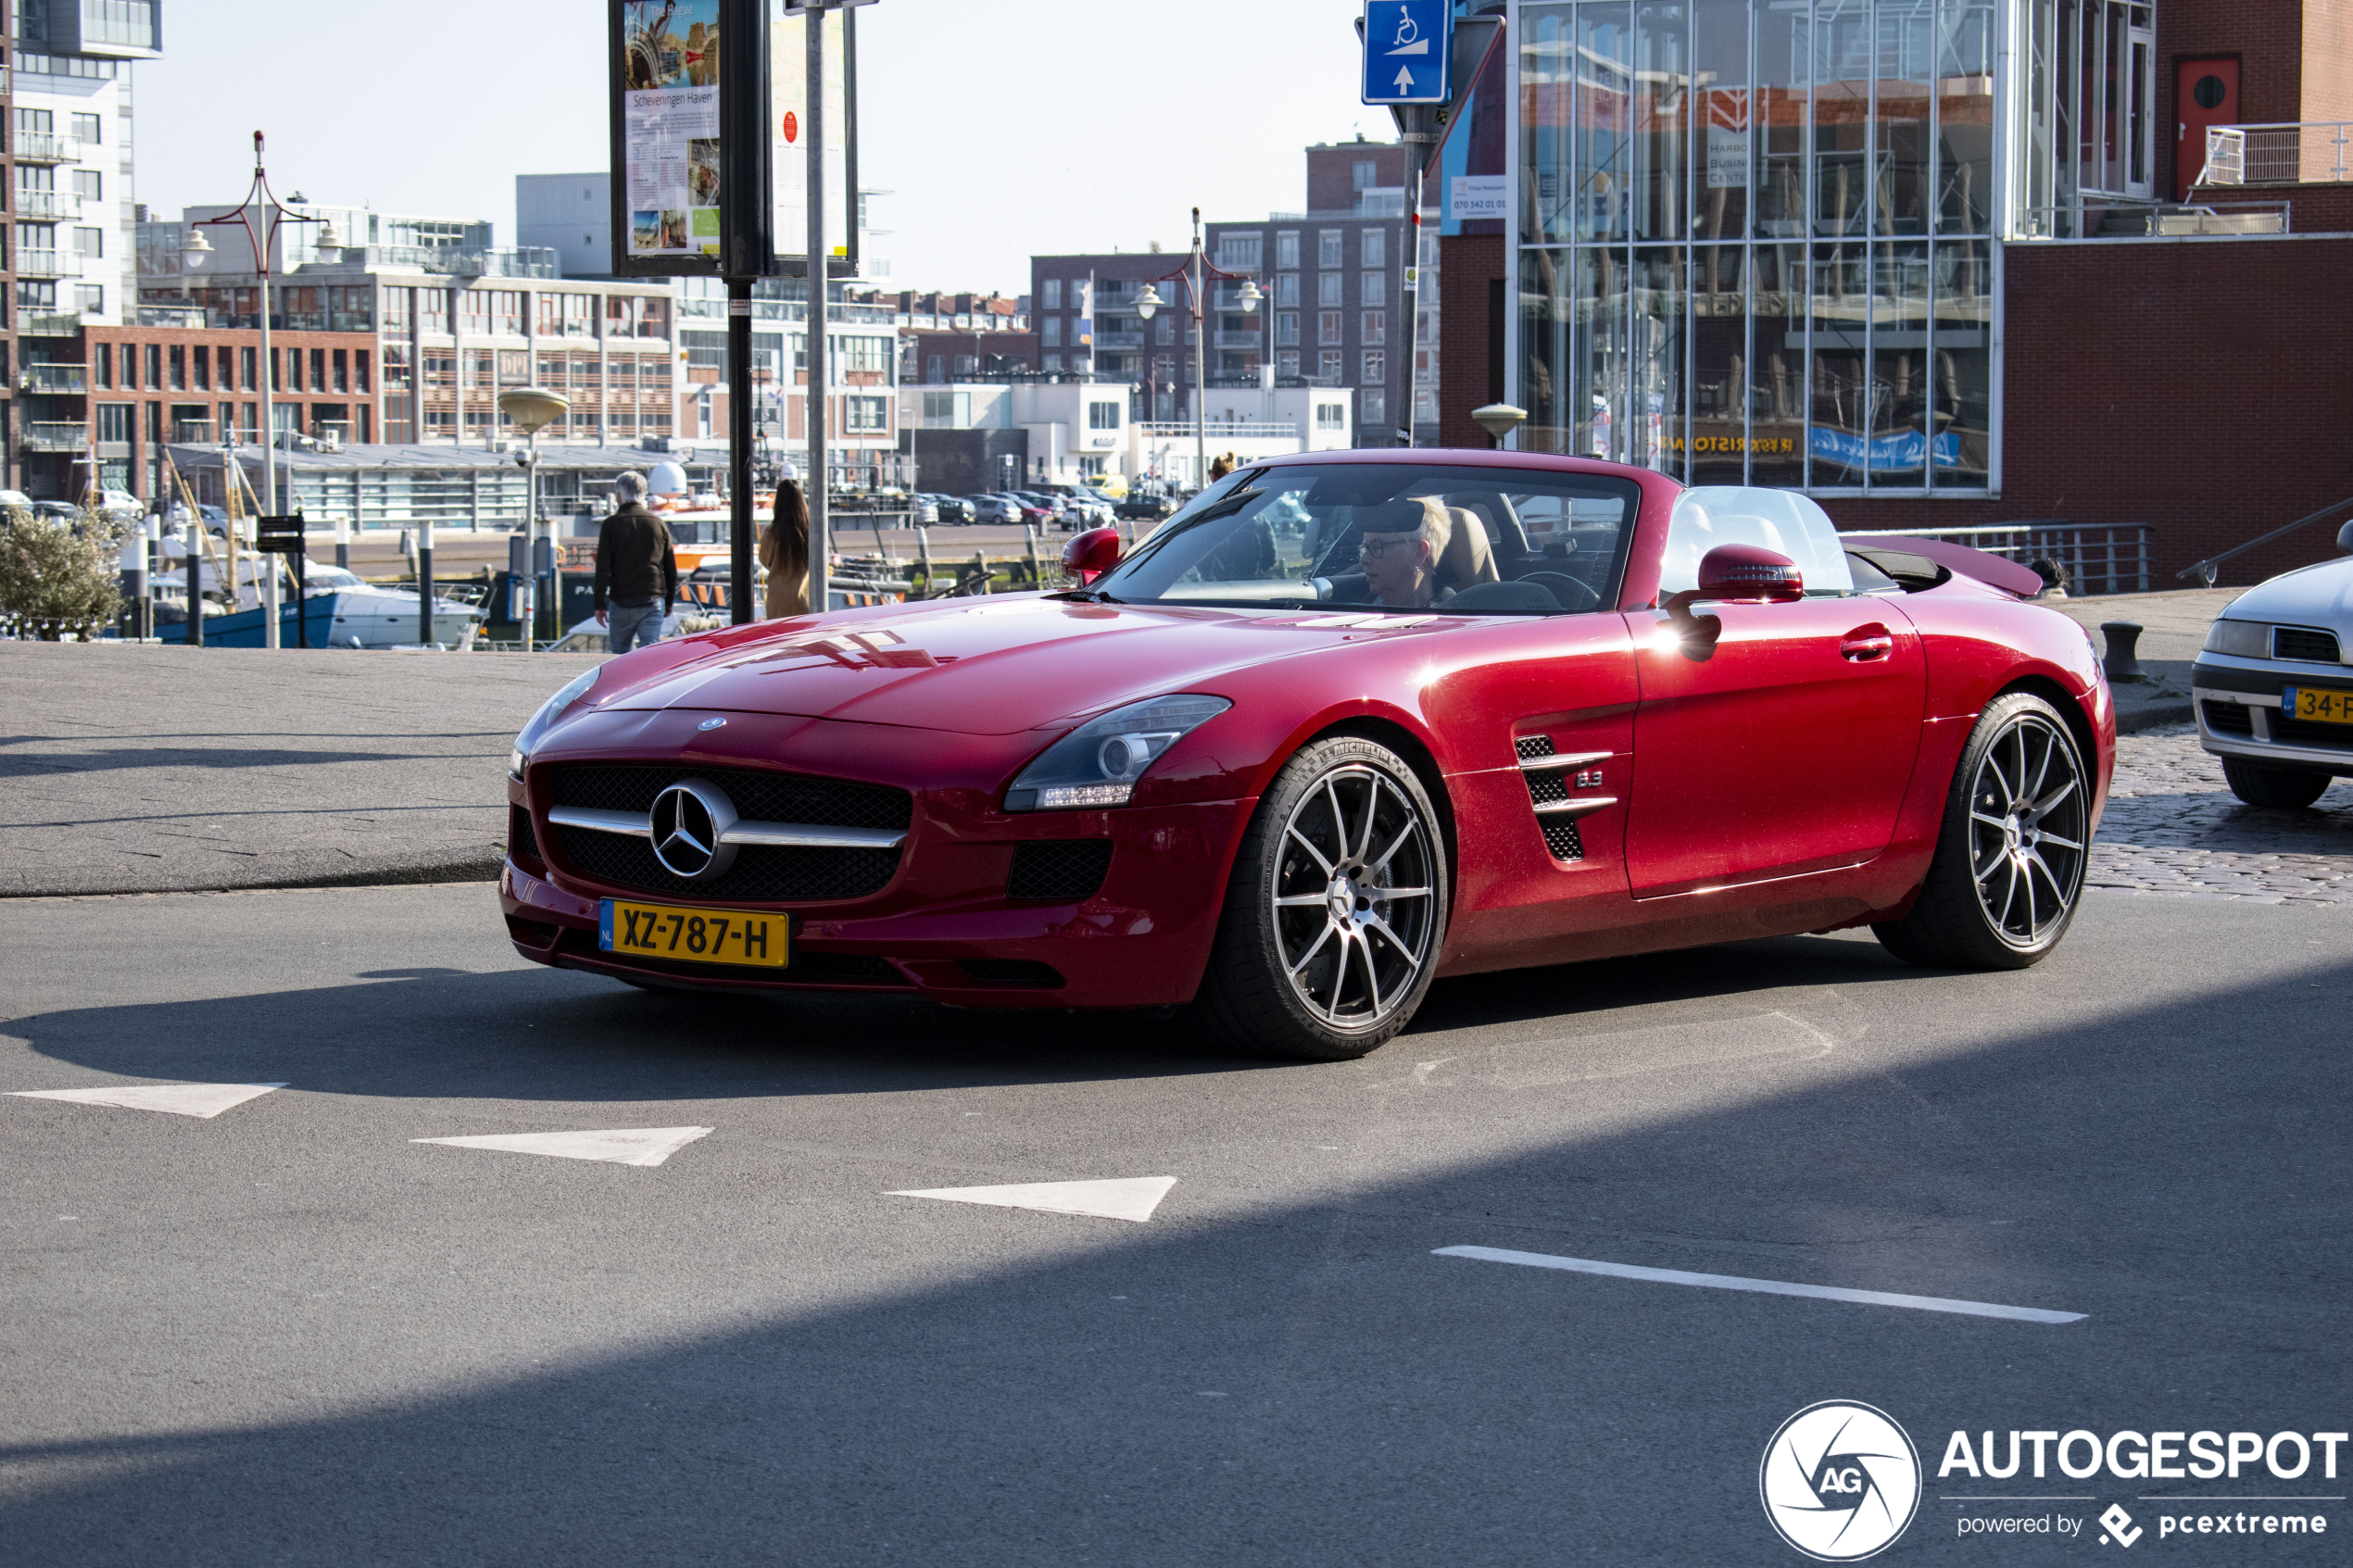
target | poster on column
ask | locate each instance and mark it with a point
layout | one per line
(788, 121)
(668, 61)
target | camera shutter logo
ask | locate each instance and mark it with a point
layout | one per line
(1840, 1481)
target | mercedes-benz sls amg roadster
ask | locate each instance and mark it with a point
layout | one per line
(1348, 723)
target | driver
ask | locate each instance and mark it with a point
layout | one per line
(1401, 568)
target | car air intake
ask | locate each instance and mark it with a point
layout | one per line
(1065, 870)
(762, 872)
(522, 843)
(1533, 747)
(2305, 644)
(1563, 839)
(2229, 718)
(1026, 972)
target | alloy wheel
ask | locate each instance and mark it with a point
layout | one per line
(2027, 813)
(1354, 899)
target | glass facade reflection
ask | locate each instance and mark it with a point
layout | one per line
(1755, 238)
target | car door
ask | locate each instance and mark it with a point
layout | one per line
(1786, 746)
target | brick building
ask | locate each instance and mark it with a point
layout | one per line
(1921, 258)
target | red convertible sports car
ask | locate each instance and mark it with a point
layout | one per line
(1350, 721)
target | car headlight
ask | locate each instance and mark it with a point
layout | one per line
(550, 711)
(2241, 639)
(1098, 763)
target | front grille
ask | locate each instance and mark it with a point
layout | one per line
(2303, 732)
(1530, 746)
(2229, 718)
(1563, 839)
(762, 874)
(1012, 971)
(2305, 644)
(1062, 869)
(522, 843)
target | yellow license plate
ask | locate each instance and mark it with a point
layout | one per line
(689, 935)
(2317, 707)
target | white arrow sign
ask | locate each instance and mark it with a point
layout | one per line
(614, 1145)
(205, 1100)
(1404, 80)
(1127, 1198)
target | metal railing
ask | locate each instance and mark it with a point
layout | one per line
(41, 264)
(56, 436)
(65, 323)
(1240, 429)
(2290, 153)
(31, 148)
(47, 204)
(1239, 340)
(2206, 570)
(2099, 557)
(54, 378)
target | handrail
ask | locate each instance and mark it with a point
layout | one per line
(2205, 569)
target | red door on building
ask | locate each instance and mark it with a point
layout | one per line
(2206, 93)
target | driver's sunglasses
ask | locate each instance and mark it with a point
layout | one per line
(1373, 549)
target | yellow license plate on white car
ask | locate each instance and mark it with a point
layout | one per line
(2317, 707)
(690, 935)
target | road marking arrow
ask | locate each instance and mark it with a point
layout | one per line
(614, 1145)
(1127, 1198)
(205, 1100)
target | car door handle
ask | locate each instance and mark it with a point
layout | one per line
(1865, 643)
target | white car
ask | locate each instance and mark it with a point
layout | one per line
(2275, 687)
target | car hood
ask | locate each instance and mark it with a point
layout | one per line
(2312, 595)
(984, 665)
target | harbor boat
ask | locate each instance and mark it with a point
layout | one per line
(368, 615)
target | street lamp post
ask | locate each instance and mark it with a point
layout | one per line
(533, 409)
(1148, 304)
(272, 215)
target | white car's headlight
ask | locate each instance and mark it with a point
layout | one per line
(550, 711)
(2241, 639)
(1098, 763)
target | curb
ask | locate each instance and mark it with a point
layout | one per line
(2152, 715)
(475, 868)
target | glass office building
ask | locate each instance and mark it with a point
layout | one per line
(1760, 240)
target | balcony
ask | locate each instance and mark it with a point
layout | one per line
(44, 264)
(34, 148)
(2314, 153)
(48, 203)
(58, 379)
(1116, 341)
(57, 323)
(1240, 340)
(56, 436)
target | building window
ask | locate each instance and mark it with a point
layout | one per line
(1328, 327)
(1051, 292)
(867, 415)
(1286, 327)
(931, 365)
(1331, 416)
(398, 304)
(102, 364)
(1286, 248)
(343, 370)
(1167, 327)
(1329, 247)
(359, 369)
(1374, 405)
(179, 381)
(1329, 286)
(1372, 288)
(1372, 246)
(1287, 362)
(90, 298)
(1375, 369)
(90, 184)
(1375, 325)
(1053, 361)
(155, 365)
(130, 355)
(244, 369)
(114, 423)
(1240, 253)
(1367, 173)
(90, 127)
(1286, 288)
(202, 368)
(1054, 332)
(318, 369)
(1103, 416)
(1329, 363)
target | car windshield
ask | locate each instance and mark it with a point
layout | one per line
(1403, 536)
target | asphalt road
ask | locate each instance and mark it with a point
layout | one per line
(289, 1333)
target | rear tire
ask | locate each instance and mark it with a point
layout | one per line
(2008, 869)
(2283, 787)
(1335, 911)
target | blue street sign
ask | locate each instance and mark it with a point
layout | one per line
(1407, 45)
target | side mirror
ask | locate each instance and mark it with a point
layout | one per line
(1749, 572)
(2345, 538)
(1088, 555)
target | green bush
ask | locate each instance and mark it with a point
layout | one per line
(56, 576)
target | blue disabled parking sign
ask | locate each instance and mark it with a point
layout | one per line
(1407, 45)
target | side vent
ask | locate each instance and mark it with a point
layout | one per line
(522, 843)
(1532, 746)
(1549, 776)
(1562, 838)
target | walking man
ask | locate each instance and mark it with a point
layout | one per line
(635, 566)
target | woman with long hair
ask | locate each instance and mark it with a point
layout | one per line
(784, 550)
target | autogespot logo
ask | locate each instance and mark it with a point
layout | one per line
(1840, 1481)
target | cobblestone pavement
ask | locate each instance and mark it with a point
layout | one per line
(2174, 827)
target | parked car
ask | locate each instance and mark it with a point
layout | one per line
(1494, 709)
(954, 510)
(994, 508)
(1146, 506)
(2273, 688)
(1035, 509)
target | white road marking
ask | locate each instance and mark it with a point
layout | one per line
(1127, 1198)
(1767, 1286)
(614, 1145)
(205, 1100)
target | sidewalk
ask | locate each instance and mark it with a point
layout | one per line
(2175, 629)
(148, 769)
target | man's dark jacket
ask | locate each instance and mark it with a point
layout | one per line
(635, 562)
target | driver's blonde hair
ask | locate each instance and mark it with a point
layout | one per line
(1434, 529)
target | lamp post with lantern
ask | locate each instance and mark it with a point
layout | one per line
(1193, 274)
(533, 409)
(260, 215)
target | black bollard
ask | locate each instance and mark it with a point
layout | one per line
(424, 583)
(2122, 662)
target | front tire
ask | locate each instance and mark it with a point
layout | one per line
(2009, 863)
(2282, 787)
(1335, 912)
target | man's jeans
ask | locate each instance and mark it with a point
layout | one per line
(629, 626)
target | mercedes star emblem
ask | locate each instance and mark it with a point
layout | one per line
(689, 826)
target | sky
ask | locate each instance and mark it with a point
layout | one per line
(1001, 131)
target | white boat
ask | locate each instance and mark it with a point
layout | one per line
(369, 616)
